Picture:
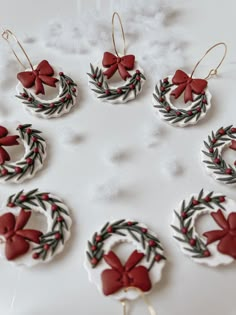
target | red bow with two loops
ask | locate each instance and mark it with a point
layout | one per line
(188, 85)
(121, 277)
(121, 63)
(6, 140)
(226, 236)
(42, 74)
(11, 228)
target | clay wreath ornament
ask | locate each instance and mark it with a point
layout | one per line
(22, 244)
(35, 80)
(31, 84)
(17, 171)
(196, 95)
(217, 142)
(191, 92)
(216, 246)
(140, 271)
(116, 65)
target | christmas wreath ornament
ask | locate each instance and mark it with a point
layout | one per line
(26, 245)
(215, 165)
(216, 246)
(193, 92)
(17, 171)
(33, 81)
(121, 67)
(137, 275)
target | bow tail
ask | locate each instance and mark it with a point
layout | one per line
(30, 235)
(9, 140)
(214, 236)
(48, 80)
(179, 90)
(39, 89)
(188, 95)
(110, 71)
(123, 72)
(4, 156)
(16, 247)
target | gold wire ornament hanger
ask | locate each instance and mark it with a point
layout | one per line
(195, 92)
(7, 35)
(115, 14)
(36, 79)
(212, 72)
(145, 299)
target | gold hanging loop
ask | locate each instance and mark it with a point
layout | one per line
(123, 303)
(7, 34)
(115, 14)
(145, 299)
(212, 71)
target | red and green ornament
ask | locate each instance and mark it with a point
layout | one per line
(192, 92)
(214, 146)
(33, 82)
(28, 246)
(213, 247)
(17, 171)
(139, 272)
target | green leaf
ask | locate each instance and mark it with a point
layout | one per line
(180, 239)
(133, 235)
(176, 229)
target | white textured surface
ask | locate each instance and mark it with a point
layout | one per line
(186, 288)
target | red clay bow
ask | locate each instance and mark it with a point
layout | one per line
(233, 145)
(16, 238)
(6, 141)
(42, 74)
(226, 236)
(121, 63)
(126, 276)
(187, 85)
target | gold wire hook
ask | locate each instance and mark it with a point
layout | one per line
(212, 71)
(6, 34)
(113, 31)
(145, 299)
(123, 303)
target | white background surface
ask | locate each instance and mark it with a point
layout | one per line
(62, 287)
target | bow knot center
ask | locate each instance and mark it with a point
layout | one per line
(9, 234)
(118, 59)
(189, 80)
(35, 72)
(125, 279)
